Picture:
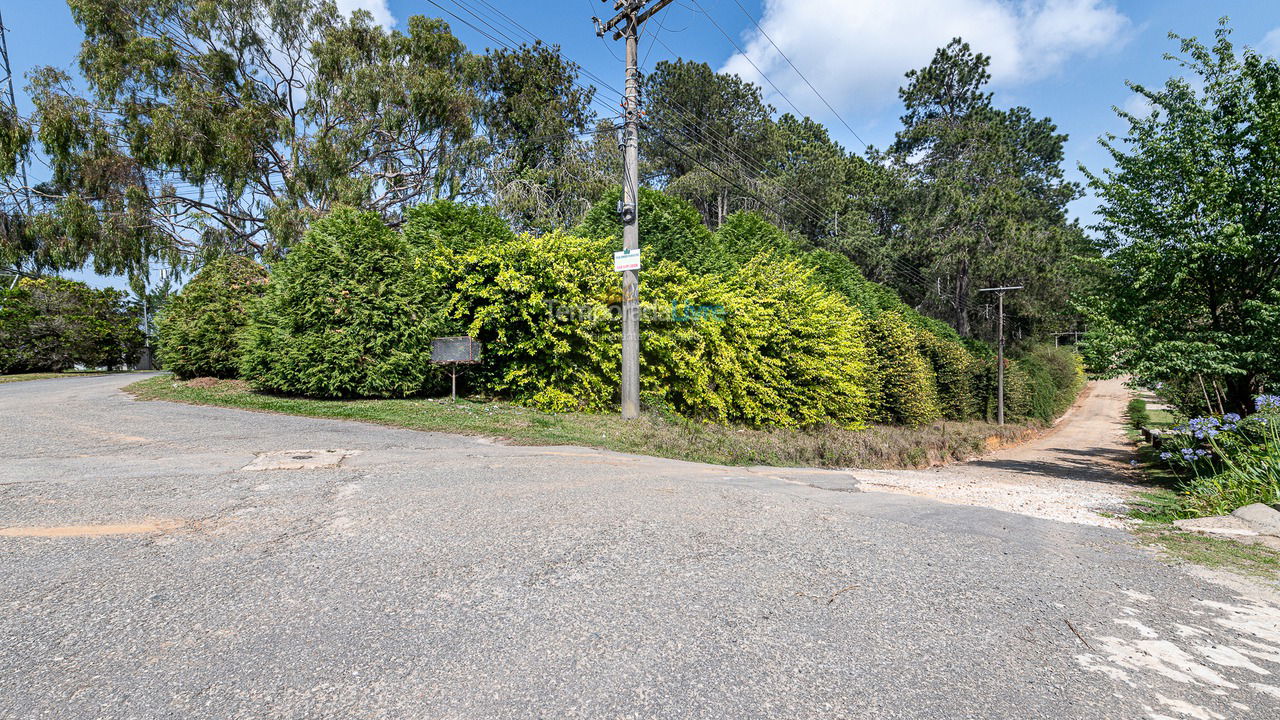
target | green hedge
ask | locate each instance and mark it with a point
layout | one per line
(762, 345)
(50, 324)
(906, 388)
(201, 329)
(346, 314)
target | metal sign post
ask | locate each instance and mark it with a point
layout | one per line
(455, 353)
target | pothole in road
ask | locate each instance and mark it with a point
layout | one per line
(299, 459)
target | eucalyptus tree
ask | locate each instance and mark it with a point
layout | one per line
(203, 127)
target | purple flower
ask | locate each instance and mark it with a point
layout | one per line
(1231, 418)
(1165, 455)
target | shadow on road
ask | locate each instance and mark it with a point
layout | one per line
(1072, 464)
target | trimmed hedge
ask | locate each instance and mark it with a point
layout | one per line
(670, 229)
(201, 329)
(906, 388)
(346, 314)
(773, 348)
(761, 346)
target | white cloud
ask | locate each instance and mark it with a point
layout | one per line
(856, 51)
(1270, 44)
(378, 8)
(1138, 105)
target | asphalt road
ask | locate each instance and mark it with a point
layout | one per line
(145, 574)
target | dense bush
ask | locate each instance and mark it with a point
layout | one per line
(744, 235)
(764, 345)
(670, 229)
(1137, 413)
(1056, 375)
(906, 390)
(541, 306)
(953, 371)
(444, 224)
(201, 330)
(51, 324)
(346, 314)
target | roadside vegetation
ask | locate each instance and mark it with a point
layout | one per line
(51, 325)
(877, 446)
(1211, 465)
(19, 377)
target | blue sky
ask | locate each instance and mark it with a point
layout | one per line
(1067, 59)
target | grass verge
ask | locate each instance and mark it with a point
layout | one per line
(19, 377)
(1221, 553)
(879, 446)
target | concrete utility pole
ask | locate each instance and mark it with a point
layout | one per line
(633, 14)
(1000, 291)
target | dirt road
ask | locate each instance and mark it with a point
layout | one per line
(1072, 473)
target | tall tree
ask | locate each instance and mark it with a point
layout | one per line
(542, 174)
(1191, 229)
(708, 136)
(987, 198)
(229, 125)
(811, 173)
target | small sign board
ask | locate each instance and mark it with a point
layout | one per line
(455, 351)
(626, 260)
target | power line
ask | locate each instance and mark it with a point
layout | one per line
(746, 57)
(797, 70)
(716, 144)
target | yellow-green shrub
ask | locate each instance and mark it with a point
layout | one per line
(540, 305)
(953, 371)
(906, 389)
(777, 348)
(762, 345)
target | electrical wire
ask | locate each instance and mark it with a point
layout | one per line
(797, 71)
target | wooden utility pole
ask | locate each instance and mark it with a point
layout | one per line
(1000, 291)
(631, 15)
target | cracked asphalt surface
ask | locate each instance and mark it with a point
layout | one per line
(437, 576)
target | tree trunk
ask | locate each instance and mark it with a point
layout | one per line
(961, 300)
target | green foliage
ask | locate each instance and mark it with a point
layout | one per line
(201, 128)
(541, 307)
(51, 324)
(953, 372)
(670, 229)
(906, 389)
(778, 349)
(762, 345)
(1226, 462)
(431, 227)
(1191, 296)
(707, 131)
(1136, 412)
(201, 331)
(983, 200)
(744, 235)
(1041, 384)
(347, 313)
